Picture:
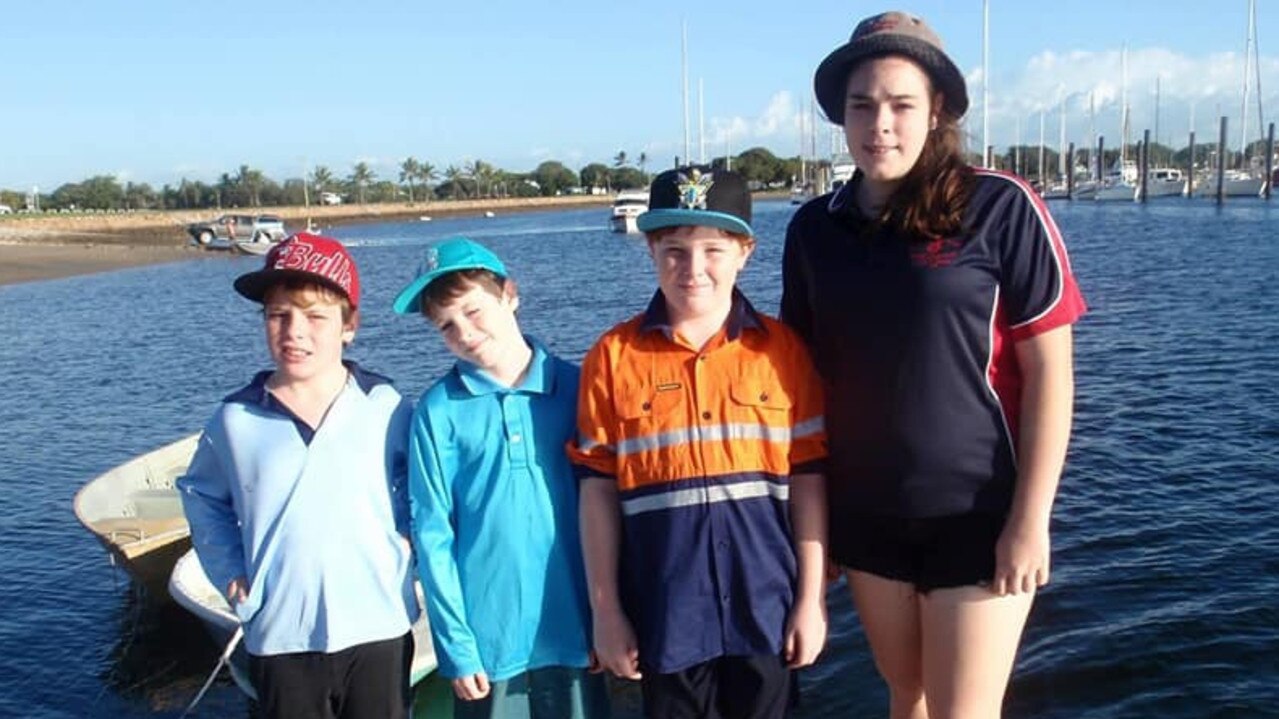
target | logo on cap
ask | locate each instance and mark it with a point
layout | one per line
(430, 261)
(303, 256)
(693, 188)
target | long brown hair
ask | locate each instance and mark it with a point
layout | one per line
(930, 200)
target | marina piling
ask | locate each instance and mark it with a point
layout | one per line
(1143, 160)
(1190, 169)
(1221, 163)
(1270, 162)
(1070, 173)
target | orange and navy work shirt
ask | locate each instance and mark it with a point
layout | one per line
(702, 445)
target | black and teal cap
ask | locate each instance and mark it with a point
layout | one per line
(698, 196)
(441, 258)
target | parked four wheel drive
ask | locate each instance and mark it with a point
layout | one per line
(259, 228)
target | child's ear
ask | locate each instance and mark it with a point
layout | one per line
(348, 330)
(511, 291)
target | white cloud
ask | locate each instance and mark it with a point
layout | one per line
(1205, 86)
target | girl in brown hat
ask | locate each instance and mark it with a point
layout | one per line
(937, 300)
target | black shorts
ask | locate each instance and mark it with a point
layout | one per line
(366, 680)
(732, 687)
(930, 553)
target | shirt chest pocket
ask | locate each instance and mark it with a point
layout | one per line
(649, 404)
(762, 397)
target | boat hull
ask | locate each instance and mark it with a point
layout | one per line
(191, 589)
(624, 223)
(135, 512)
(249, 247)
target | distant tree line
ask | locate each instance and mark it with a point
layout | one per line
(415, 181)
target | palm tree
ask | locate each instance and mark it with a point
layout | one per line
(427, 173)
(620, 159)
(642, 161)
(482, 173)
(226, 191)
(453, 175)
(321, 178)
(250, 181)
(361, 176)
(409, 170)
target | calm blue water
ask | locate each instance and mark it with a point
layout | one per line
(1166, 562)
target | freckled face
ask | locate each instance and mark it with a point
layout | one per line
(697, 268)
(305, 333)
(479, 326)
(890, 107)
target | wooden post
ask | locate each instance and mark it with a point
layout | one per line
(1070, 172)
(1190, 172)
(1143, 162)
(1270, 161)
(1221, 163)
(1101, 158)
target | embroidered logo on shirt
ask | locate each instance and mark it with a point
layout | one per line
(937, 252)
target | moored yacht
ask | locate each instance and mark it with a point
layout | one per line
(1165, 182)
(627, 207)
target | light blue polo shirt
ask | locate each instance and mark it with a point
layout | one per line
(495, 520)
(314, 518)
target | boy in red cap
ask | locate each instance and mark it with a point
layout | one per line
(297, 501)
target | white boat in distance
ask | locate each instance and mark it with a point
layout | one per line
(193, 591)
(1165, 182)
(627, 207)
(1235, 183)
(254, 246)
(1120, 183)
(842, 168)
(135, 511)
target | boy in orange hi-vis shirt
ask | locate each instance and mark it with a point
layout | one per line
(700, 442)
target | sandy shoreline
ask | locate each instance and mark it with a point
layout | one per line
(30, 262)
(47, 247)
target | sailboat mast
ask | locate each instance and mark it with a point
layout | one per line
(1041, 148)
(684, 73)
(1247, 77)
(701, 123)
(1062, 163)
(1123, 109)
(1256, 64)
(985, 83)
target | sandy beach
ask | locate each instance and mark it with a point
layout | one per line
(42, 247)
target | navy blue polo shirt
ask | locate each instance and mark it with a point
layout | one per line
(914, 341)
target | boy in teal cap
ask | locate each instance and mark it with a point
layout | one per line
(494, 500)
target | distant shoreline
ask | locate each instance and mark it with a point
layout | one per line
(168, 227)
(44, 247)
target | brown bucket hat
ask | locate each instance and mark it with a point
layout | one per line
(890, 33)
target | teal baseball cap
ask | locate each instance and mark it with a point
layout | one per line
(441, 258)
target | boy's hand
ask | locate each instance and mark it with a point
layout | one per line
(805, 633)
(471, 688)
(237, 590)
(615, 645)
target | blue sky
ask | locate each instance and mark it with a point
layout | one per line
(153, 91)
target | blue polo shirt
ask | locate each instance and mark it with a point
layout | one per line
(915, 338)
(314, 518)
(495, 520)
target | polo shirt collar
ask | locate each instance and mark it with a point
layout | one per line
(256, 393)
(540, 378)
(741, 316)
